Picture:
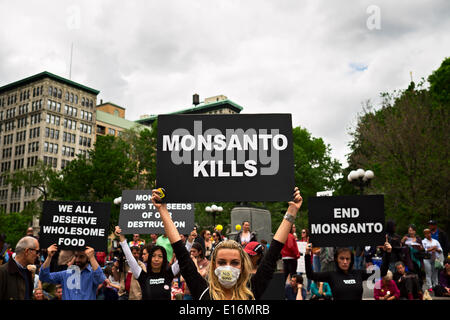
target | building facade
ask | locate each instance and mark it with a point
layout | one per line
(43, 117)
(111, 120)
(212, 105)
(52, 119)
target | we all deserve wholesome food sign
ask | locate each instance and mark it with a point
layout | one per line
(74, 225)
(245, 157)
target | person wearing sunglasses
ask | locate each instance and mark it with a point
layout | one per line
(15, 279)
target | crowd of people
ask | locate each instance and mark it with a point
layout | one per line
(206, 265)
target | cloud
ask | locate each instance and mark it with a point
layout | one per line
(315, 59)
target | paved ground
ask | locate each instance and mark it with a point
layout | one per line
(368, 293)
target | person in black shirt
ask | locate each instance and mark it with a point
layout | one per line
(346, 283)
(407, 282)
(230, 269)
(156, 282)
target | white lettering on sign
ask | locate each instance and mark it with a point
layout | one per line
(334, 228)
(351, 281)
(346, 213)
(212, 150)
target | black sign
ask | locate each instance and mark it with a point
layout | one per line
(75, 225)
(245, 157)
(139, 215)
(346, 221)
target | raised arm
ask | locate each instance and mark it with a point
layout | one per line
(45, 275)
(196, 283)
(386, 257)
(268, 264)
(316, 276)
(169, 227)
(134, 266)
(285, 227)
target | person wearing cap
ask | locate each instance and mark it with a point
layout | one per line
(434, 249)
(256, 251)
(439, 235)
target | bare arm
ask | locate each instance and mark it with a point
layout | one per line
(134, 266)
(169, 226)
(299, 292)
(90, 253)
(285, 227)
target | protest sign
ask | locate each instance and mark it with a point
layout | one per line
(74, 225)
(301, 261)
(346, 221)
(139, 215)
(245, 157)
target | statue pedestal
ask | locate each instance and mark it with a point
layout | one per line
(260, 222)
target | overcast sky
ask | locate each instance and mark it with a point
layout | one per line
(319, 60)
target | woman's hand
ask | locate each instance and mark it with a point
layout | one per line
(387, 246)
(118, 233)
(156, 200)
(308, 248)
(296, 203)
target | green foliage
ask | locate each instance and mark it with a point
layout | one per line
(37, 177)
(129, 162)
(314, 171)
(143, 152)
(440, 84)
(15, 224)
(102, 176)
(406, 144)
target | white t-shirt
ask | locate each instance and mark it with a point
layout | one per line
(427, 244)
(246, 237)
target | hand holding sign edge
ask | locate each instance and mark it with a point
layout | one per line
(296, 204)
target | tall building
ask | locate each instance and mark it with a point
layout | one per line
(111, 120)
(43, 117)
(213, 105)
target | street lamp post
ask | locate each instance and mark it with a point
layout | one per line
(360, 178)
(214, 209)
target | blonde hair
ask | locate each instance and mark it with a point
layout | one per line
(240, 289)
(388, 276)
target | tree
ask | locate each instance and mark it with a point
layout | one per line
(142, 144)
(102, 176)
(15, 224)
(406, 144)
(314, 171)
(37, 177)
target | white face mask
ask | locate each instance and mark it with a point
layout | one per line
(227, 275)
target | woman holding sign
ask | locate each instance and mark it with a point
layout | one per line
(346, 283)
(156, 282)
(230, 268)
